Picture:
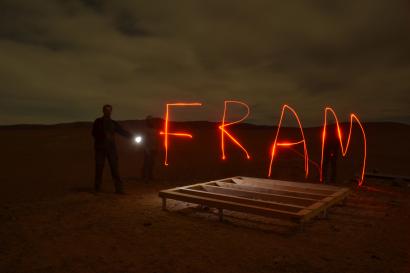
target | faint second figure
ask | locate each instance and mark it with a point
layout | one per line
(331, 154)
(151, 147)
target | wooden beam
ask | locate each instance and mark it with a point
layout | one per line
(284, 187)
(245, 201)
(288, 183)
(216, 203)
(319, 207)
(271, 190)
(262, 196)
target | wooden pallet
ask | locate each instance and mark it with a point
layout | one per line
(294, 201)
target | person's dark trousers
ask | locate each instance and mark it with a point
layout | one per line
(329, 161)
(111, 155)
(148, 165)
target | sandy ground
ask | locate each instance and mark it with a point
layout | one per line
(52, 222)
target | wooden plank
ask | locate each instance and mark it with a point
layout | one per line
(319, 207)
(211, 202)
(338, 197)
(262, 196)
(287, 188)
(242, 200)
(326, 202)
(261, 188)
(271, 190)
(283, 187)
(288, 183)
(202, 183)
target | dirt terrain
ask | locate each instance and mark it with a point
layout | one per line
(51, 221)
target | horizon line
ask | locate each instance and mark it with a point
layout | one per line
(184, 121)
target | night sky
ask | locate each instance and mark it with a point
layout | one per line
(61, 60)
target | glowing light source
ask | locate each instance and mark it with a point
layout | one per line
(343, 148)
(289, 144)
(166, 132)
(138, 139)
(224, 125)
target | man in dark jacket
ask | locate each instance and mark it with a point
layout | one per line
(104, 130)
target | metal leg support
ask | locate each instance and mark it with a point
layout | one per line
(164, 203)
(220, 214)
(324, 214)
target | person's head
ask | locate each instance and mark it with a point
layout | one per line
(107, 110)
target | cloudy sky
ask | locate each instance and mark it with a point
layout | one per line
(60, 60)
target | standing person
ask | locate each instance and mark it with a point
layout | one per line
(331, 154)
(104, 130)
(150, 149)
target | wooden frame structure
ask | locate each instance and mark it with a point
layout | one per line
(294, 201)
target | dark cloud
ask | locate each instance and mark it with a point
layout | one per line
(318, 85)
(76, 55)
(127, 23)
(96, 5)
(26, 25)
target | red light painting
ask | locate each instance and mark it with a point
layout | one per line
(166, 132)
(292, 145)
(225, 132)
(346, 147)
(277, 144)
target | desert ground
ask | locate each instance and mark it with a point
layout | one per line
(52, 221)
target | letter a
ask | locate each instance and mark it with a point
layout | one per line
(289, 144)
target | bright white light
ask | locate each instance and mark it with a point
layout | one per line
(138, 139)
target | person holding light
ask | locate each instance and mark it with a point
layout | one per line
(104, 131)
